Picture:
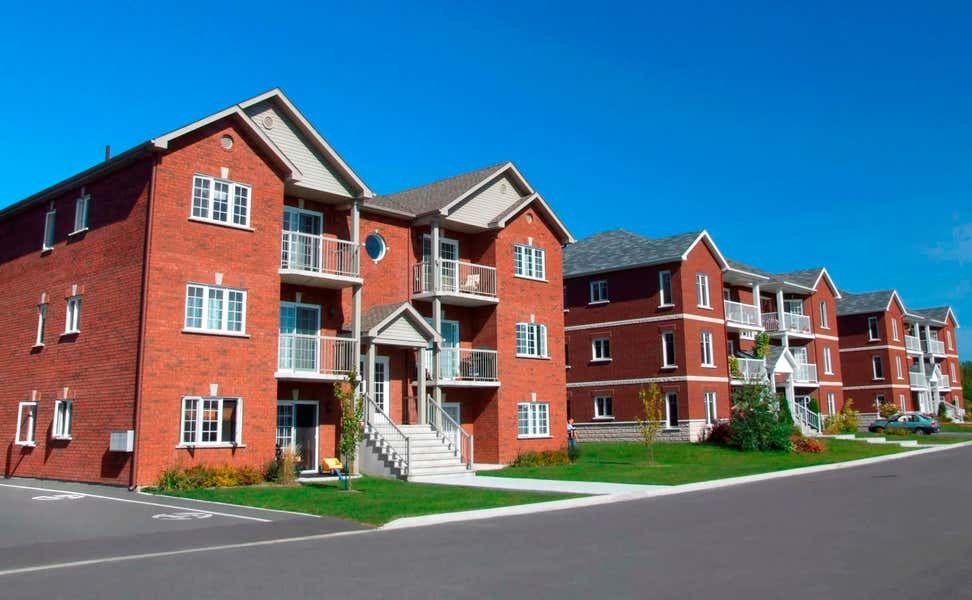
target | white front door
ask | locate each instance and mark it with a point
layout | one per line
(301, 247)
(449, 253)
(300, 326)
(454, 410)
(297, 430)
(794, 307)
(382, 382)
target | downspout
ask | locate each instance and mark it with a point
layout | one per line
(140, 360)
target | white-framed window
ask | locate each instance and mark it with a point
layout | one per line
(671, 410)
(873, 332)
(72, 320)
(529, 262)
(50, 219)
(877, 367)
(711, 416)
(220, 201)
(601, 348)
(668, 348)
(533, 419)
(215, 309)
(901, 402)
(531, 340)
(211, 421)
(705, 343)
(26, 419)
(831, 403)
(63, 410)
(81, 213)
(880, 400)
(951, 370)
(702, 290)
(948, 336)
(828, 361)
(665, 288)
(824, 317)
(603, 407)
(599, 291)
(897, 366)
(894, 329)
(41, 323)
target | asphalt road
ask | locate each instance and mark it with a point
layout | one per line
(899, 529)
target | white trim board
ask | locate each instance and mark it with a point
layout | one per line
(866, 348)
(672, 379)
(878, 387)
(671, 317)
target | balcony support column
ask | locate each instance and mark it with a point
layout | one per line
(356, 290)
(781, 317)
(436, 311)
(759, 313)
(422, 417)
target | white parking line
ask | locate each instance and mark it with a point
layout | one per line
(182, 508)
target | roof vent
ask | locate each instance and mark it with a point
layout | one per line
(268, 122)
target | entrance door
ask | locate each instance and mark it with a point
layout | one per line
(799, 355)
(449, 252)
(297, 424)
(454, 410)
(382, 382)
(794, 307)
(300, 326)
(301, 248)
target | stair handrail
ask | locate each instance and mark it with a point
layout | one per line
(807, 417)
(952, 410)
(400, 445)
(436, 415)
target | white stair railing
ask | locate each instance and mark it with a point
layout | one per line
(458, 439)
(952, 411)
(389, 437)
(806, 419)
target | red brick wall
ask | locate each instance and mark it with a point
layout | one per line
(99, 364)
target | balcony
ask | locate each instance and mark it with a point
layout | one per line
(805, 373)
(943, 384)
(318, 261)
(933, 347)
(918, 380)
(314, 357)
(792, 323)
(743, 316)
(912, 344)
(749, 370)
(459, 283)
(466, 367)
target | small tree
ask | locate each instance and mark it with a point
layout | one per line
(651, 400)
(756, 422)
(761, 346)
(352, 422)
(813, 405)
(785, 416)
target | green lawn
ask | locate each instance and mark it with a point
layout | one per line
(678, 463)
(373, 501)
(921, 439)
(957, 427)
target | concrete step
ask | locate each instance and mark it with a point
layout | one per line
(431, 450)
(426, 463)
(418, 471)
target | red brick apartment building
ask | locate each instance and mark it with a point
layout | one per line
(641, 311)
(214, 282)
(894, 355)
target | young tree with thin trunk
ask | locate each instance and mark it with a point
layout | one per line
(654, 409)
(352, 422)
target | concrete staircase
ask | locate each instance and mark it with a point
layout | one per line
(431, 455)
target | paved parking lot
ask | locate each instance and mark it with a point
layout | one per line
(45, 522)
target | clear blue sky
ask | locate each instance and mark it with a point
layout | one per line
(827, 134)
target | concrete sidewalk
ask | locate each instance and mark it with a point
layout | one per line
(538, 485)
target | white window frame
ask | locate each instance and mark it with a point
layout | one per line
(529, 262)
(876, 329)
(29, 439)
(72, 316)
(951, 371)
(901, 401)
(894, 329)
(81, 206)
(709, 400)
(665, 348)
(831, 403)
(665, 289)
(706, 349)
(876, 361)
(880, 399)
(948, 337)
(668, 414)
(535, 332)
(61, 430)
(534, 428)
(41, 324)
(206, 215)
(824, 317)
(598, 292)
(50, 222)
(196, 442)
(897, 365)
(828, 361)
(601, 349)
(702, 290)
(224, 317)
(600, 402)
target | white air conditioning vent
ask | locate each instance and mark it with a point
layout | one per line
(747, 335)
(122, 441)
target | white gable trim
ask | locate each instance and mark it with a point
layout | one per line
(723, 265)
(558, 225)
(504, 168)
(408, 312)
(830, 282)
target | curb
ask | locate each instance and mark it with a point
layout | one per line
(556, 505)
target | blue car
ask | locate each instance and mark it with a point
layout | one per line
(916, 423)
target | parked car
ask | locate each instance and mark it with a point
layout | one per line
(916, 423)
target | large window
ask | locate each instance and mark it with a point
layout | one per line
(948, 336)
(49, 221)
(831, 403)
(210, 421)
(894, 329)
(81, 213)
(671, 410)
(213, 309)
(668, 349)
(72, 320)
(531, 340)
(220, 201)
(529, 261)
(26, 419)
(828, 361)
(599, 291)
(711, 416)
(873, 333)
(705, 343)
(702, 290)
(665, 288)
(878, 367)
(897, 366)
(824, 318)
(601, 348)
(62, 420)
(603, 407)
(41, 323)
(951, 370)
(533, 419)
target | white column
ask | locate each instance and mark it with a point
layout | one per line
(370, 368)
(422, 417)
(436, 313)
(356, 290)
(759, 313)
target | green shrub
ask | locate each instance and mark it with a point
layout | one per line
(942, 413)
(573, 453)
(896, 432)
(887, 410)
(785, 415)
(202, 476)
(843, 422)
(549, 458)
(756, 422)
(720, 434)
(285, 469)
(813, 405)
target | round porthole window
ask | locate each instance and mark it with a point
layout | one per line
(375, 247)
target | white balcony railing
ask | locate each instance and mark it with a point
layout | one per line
(313, 354)
(934, 347)
(792, 322)
(918, 379)
(805, 373)
(750, 369)
(943, 383)
(318, 254)
(455, 277)
(912, 344)
(744, 314)
(467, 364)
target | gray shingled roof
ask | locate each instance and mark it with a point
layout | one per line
(939, 313)
(378, 313)
(868, 302)
(432, 196)
(807, 277)
(619, 249)
(739, 266)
